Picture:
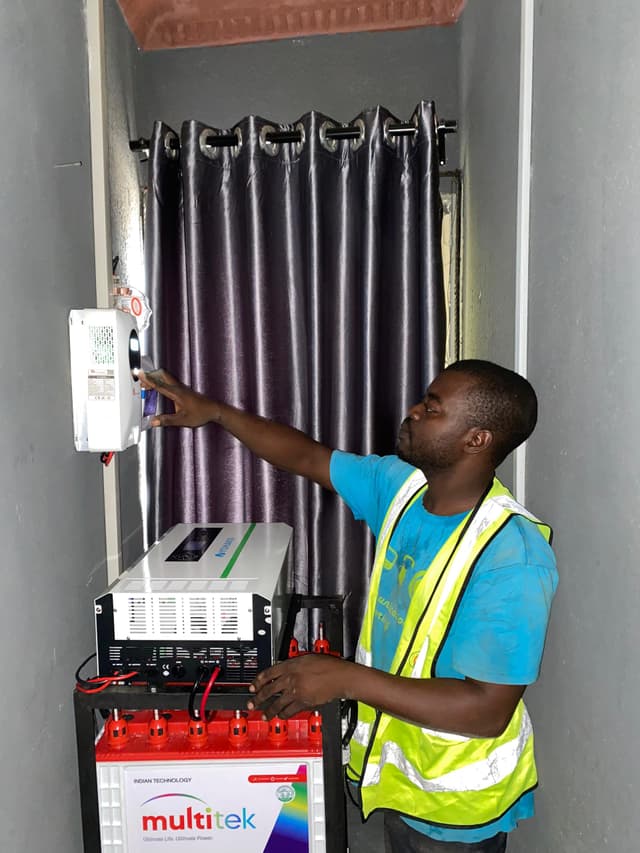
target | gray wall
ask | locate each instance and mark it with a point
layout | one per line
(583, 464)
(488, 138)
(489, 99)
(51, 514)
(582, 473)
(338, 75)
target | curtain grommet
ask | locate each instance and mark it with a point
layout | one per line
(303, 137)
(358, 142)
(391, 141)
(415, 123)
(271, 148)
(235, 149)
(172, 152)
(325, 141)
(210, 151)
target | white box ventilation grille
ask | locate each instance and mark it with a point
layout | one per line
(101, 341)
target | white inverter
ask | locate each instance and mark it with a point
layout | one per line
(204, 596)
(107, 399)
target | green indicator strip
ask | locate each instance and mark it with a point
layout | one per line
(236, 553)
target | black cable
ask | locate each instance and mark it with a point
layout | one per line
(88, 684)
(349, 785)
(98, 682)
(193, 714)
(350, 711)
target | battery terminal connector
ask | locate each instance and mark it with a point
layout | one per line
(197, 733)
(117, 729)
(315, 726)
(158, 730)
(321, 645)
(238, 729)
(278, 730)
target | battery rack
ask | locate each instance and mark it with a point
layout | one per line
(133, 698)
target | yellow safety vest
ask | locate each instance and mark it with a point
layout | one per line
(431, 775)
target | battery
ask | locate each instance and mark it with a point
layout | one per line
(233, 782)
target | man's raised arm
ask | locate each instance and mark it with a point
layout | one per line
(283, 446)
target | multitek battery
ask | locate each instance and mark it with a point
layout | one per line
(234, 782)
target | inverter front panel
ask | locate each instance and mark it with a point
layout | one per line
(204, 596)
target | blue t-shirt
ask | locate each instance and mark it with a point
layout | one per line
(499, 629)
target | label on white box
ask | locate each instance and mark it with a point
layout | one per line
(101, 386)
(218, 806)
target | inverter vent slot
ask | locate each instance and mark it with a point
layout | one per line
(250, 664)
(138, 620)
(197, 608)
(229, 616)
(133, 586)
(200, 653)
(234, 666)
(167, 616)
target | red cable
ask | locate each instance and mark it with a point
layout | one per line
(207, 690)
(102, 682)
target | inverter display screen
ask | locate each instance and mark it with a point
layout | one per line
(194, 545)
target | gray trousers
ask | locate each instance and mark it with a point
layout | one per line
(399, 837)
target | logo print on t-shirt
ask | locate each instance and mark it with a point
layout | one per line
(390, 559)
(407, 565)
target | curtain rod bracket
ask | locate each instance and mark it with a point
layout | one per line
(443, 128)
(140, 144)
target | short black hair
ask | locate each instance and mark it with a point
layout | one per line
(499, 400)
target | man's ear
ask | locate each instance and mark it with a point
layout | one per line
(478, 440)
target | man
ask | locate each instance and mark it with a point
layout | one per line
(459, 601)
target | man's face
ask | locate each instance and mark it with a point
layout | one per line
(432, 436)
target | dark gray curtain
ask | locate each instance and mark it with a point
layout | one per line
(302, 282)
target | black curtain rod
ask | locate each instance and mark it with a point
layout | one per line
(228, 140)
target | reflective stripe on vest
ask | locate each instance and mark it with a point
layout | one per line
(476, 776)
(407, 494)
(439, 776)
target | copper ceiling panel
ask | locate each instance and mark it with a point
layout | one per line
(164, 24)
